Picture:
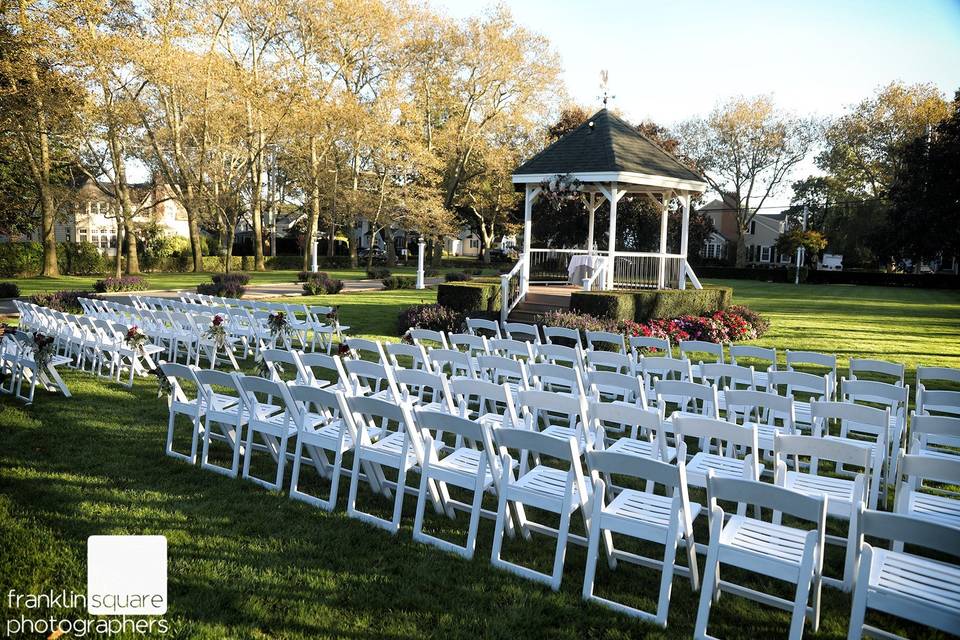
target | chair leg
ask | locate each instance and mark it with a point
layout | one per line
(561, 553)
(858, 609)
(593, 550)
(799, 614)
(666, 576)
(706, 593)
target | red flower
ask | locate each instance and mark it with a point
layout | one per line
(217, 320)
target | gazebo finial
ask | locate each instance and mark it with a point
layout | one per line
(604, 80)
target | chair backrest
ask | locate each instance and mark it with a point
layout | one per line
(314, 401)
(938, 402)
(375, 413)
(320, 366)
(561, 335)
(856, 418)
(522, 332)
(648, 345)
(663, 368)
(213, 381)
(690, 397)
(476, 435)
(786, 446)
(760, 407)
(451, 362)
(499, 369)
(939, 432)
(371, 377)
(794, 383)
(737, 438)
(555, 377)
(808, 358)
(604, 341)
(909, 530)
(751, 353)
(634, 421)
(425, 387)
(559, 354)
(608, 361)
(420, 336)
(777, 499)
(530, 443)
(539, 410)
(673, 477)
(469, 343)
(728, 376)
(177, 374)
(701, 347)
(862, 367)
(609, 385)
(416, 353)
(274, 359)
(485, 398)
(258, 391)
(508, 348)
(883, 393)
(928, 375)
(484, 327)
(362, 346)
(914, 469)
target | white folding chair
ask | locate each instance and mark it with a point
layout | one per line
(556, 378)
(274, 361)
(556, 415)
(325, 371)
(640, 431)
(645, 515)
(770, 413)
(513, 349)
(927, 377)
(274, 416)
(812, 359)
(731, 440)
(372, 348)
(558, 489)
(939, 504)
(559, 354)
(422, 336)
(804, 388)
(486, 402)
(483, 327)
(866, 368)
(906, 585)
(608, 386)
(452, 363)
(648, 345)
(226, 411)
(562, 336)
(605, 341)
(522, 332)
(844, 496)
(416, 354)
(885, 396)
(937, 436)
(695, 350)
(425, 390)
(774, 550)
(372, 379)
(609, 361)
(186, 398)
(761, 359)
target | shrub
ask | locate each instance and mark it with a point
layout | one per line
(320, 283)
(241, 279)
(430, 316)
(760, 324)
(303, 276)
(65, 301)
(457, 276)
(378, 273)
(400, 282)
(9, 290)
(431, 273)
(226, 285)
(79, 259)
(467, 297)
(125, 283)
(672, 303)
(792, 274)
(603, 304)
(20, 258)
(574, 320)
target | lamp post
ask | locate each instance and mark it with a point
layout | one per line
(315, 243)
(800, 250)
(421, 247)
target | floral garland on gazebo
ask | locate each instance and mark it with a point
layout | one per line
(560, 189)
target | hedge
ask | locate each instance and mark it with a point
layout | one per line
(641, 306)
(468, 297)
(869, 278)
(20, 258)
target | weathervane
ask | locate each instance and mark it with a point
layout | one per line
(604, 86)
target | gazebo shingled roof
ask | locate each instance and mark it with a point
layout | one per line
(611, 145)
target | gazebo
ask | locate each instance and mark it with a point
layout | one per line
(610, 159)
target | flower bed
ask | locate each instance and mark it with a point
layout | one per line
(430, 316)
(65, 301)
(320, 283)
(227, 285)
(734, 324)
(124, 283)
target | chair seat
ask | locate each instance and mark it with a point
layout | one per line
(939, 509)
(778, 549)
(643, 448)
(327, 435)
(839, 491)
(563, 433)
(925, 584)
(463, 462)
(543, 487)
(632, 507)
(388, 450)
(722, 466)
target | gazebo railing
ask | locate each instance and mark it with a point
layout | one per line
(647, 270)
(551, 265)
(512, 288)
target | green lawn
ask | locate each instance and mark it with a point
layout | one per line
(248, 563)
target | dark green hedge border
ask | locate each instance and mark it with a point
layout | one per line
(644, 305)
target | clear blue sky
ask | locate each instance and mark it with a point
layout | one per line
(670, 60)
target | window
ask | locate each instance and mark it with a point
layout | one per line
(753, 227)
(764, 254)
(474, 243)
(81, 234)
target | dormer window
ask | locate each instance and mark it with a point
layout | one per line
(753, 227)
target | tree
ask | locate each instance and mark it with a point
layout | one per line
(863, 148)
(926, 191)
(745, 149)
(571, 117)
(812, 241)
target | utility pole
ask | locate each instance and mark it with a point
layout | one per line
(801, 251)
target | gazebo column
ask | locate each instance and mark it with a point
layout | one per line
(661, 278)
(530, 196)
(684, 241)
(612, 244)
(592, 210)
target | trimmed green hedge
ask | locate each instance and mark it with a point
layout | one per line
(468, 297)
(644, 305)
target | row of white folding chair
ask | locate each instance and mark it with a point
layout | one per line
(931, 397)
(20, 373)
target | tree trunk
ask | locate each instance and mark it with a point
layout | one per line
(741, 247)
(437, 258)
(118, 256)
(196, 242)
(391, 247)
(133, 260)
(314, 216)
(50, 267)
(331, 240)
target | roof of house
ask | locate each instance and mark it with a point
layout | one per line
(606, 144)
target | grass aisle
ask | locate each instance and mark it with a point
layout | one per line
(247, 563)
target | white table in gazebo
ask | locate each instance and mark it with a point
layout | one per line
(582, 266)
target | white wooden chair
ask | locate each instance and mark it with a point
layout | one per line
(513, 349)
(563, 336)
(273, 415)
(373, 349)
(811, 359)
(728, 376)
(804, 388)
(653, 368)
(688, 398)
(484, 327)
(424, 338)
(321, 429)
(452, 363)
(608, 386)
(372, 379)
(906, 585)
(943, 403)
(282, 365)
(605, 341)
(522, 332)
(225, 412)
(774, 550)
(425, 390)
(764, 359)
(939, 504)
(937, 436)
(499, 370)
(399, 446)
(648, 345)
(559, 354)
(729, 441)
(844, 496)
(560, 490)
(770, 413)
(471, 463)
(870, 431)
(609, 361)
(695, 350)
(640, 432)
(866, 368)
(556, 415)
(415, 352)
(469, 344)
(885, 396)
(645, 515)
(325, 371)
(186, 398)
(485, 402)
(556, 378)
